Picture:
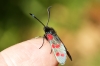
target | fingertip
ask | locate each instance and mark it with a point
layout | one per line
(29, 51)
(45, 51)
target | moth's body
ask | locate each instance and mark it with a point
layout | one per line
(57, 46)
(59, 49)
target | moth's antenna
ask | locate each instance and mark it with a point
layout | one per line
(37, 19)
(48, 10)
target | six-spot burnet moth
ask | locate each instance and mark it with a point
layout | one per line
(58, 47)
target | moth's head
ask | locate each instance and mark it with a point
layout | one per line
(49, 30)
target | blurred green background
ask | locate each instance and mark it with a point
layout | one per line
(77, 23)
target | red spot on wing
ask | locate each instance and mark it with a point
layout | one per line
(57, 45)
(62, 55)
(57, 54)
(49, 36)
(53, 46)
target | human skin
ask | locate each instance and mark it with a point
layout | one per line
(27, 53)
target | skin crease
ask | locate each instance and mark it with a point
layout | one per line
(28, 53)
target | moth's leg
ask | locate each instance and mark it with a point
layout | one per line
(38, 37)
(44, 37)
(51, 51)
(43, 41)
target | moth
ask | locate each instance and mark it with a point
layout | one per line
(58, 47)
